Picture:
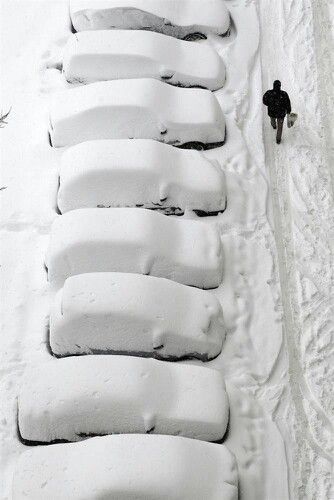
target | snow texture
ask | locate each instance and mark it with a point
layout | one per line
(127, 467)
(136, 109)
(177, 18)
(297, 41)
(110, 55)
(144, 173)
(74, 398)
(278, 276)
(134, 240)
(135, 314)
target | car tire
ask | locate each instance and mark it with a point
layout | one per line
(198, 146)
(194, 36)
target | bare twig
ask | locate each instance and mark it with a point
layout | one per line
(3, 118)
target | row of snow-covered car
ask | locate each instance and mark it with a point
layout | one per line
(131, 284)
(124, 70)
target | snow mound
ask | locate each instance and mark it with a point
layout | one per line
(73, 398)
(145, 173)
(126, 467)
(134, 240)
(131, 313)
(110, 55)
(179, 19)
(136, 109)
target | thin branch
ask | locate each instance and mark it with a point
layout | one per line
(3, 118)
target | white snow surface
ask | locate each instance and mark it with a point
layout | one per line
(92, 56)
(77, 397)
(135, 109)
(171, 17)
(127, 467)
(134, 240)
(124, 173)
(131, 313)
(276, 359)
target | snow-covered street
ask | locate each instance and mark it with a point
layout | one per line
(276, 291)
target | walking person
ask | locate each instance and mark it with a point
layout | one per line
(278, 103)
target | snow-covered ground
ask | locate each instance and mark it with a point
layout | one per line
(278, 269)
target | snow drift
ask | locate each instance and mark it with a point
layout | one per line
(110, 55)
(123, 173)
(134, 240)
(131, 313)
(74, 398)
(126, 467)
(136, 109)
(179, 19)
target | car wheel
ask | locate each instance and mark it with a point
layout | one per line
(198, 146)
(194, 36)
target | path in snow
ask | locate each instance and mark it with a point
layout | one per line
(295, 44)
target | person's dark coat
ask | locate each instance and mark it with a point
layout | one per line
(278, 102)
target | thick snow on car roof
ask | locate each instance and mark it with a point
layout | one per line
(125, 467)
(135, 314)
(208, 16)
(145, 109)
(141, 92)
(134, 240)
(77, 397)
(108, 55)
(124, 173)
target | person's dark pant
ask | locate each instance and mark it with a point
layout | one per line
(277, 123)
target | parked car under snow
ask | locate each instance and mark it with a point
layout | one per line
(127, 467)
(188, 19)
(78, 397)
(92, 56)
(121, 313)
(137, 109)
(137, 241)
(140, 173)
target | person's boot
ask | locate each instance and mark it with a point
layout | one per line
(273, 123)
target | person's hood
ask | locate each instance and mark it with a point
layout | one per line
(277, 85)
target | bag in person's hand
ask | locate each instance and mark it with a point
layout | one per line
(292, 117)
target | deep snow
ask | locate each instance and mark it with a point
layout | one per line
(77, 397)
(91, 56)
(143, 108)
(139, 173)
(117, 462)
(131, 314)
(179, 19)
(134, 240)
(276, 366)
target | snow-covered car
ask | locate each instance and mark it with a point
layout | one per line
(121, 313)
(188, 19)
(92, 56)
(127, 467)
(140, 173)
(137, 109)
(77, 397)
(134, 240)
